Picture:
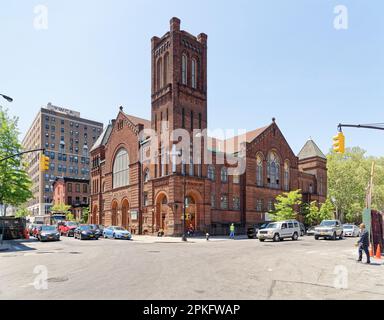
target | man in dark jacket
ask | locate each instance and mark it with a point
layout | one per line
(364, 244)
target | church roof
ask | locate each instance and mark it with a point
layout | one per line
(218, 145)
(136, 121)
(103, 139)
(310, 150)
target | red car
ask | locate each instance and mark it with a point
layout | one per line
(68, 228)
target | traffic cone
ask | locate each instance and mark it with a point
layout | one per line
(371, 251)
(378, 252)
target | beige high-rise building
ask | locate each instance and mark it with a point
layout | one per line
(67, 139)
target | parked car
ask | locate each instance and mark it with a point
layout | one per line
(117, 233)
(350, 230)
(278, 231)
(85, 232)
(311, 231)
(252, 231)
(47, 233)
(67, 228)
(98, 228)
(303, 230)
(329, 229)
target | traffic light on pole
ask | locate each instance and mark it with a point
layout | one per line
(339, 143)
(44, 163)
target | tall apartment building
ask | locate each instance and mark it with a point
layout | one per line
(67, 139)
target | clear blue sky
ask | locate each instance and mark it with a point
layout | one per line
(267, 59)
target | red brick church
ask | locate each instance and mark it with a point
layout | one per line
(145, 193)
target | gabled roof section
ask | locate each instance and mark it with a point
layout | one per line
(311, 150)
(219, 145)
(103, 139)
(136, 121)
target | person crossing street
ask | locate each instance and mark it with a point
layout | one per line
(363, 244)
(232, 232)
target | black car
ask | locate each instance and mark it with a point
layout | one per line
(98, 228)
(85, 232)
(47, 233)
(252, 231)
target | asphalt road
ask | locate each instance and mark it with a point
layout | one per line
(148, 268)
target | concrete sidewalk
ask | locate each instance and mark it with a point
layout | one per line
(16, 245)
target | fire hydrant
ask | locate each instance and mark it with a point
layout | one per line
(207, 235)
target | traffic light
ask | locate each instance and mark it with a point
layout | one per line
(44, 163)
(339, 143)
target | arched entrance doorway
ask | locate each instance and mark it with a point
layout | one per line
(125, 214)
(114, 213)
(161, 213)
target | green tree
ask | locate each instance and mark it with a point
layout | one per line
(313, 216)
(14, 180)
(70, 217)
(348, 177)
(85, 215)
(61, 208)
(327, 211)
(22, 213)
(286, 206)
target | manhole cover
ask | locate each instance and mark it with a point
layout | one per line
(44, 252)
(75, 253)
(58, 279)
(153, 251)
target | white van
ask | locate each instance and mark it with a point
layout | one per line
(281, 230)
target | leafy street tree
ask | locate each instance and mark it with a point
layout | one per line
(61, 208)
(317, 214)
(85, 215)
(286, 206)
(14, 180)
(22, 213)
(70, 217)
(348, 177)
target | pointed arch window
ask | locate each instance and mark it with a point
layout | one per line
(194, 73)
(166, 68)
(286, 176)
(273, 171)
(259, 171)
(184, 69)
(159, 78)
(121, 169)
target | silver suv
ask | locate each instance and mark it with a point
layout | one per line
(278, 231)
(329, 229)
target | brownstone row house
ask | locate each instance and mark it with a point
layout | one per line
(145, 193)
(73, 192)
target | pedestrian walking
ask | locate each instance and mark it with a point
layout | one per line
(363, 244)
(232, 232)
